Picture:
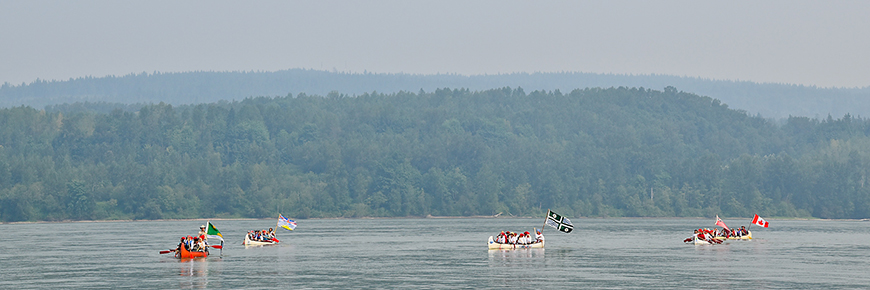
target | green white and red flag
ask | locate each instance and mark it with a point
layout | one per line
(213, 232)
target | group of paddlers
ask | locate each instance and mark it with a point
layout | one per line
(711, 235)
(262, 235)
(195, 244)
(508, 237)
(704, 235)
(737, 233)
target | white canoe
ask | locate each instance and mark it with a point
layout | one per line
(496, 246)
(701, 242)
(698, 241)
(249, 242)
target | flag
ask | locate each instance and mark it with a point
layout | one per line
(759, 221)
(286, 223)
(721, 223)
(213, 232)
(559, 222)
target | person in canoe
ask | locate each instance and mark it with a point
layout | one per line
(501, 238)
(203, 234)
(182, 244)
(508, 237)
(261, 235)
(191, 244)
(743, 231)
(539, 237)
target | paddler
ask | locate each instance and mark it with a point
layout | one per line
(203, 234)
(696, 234)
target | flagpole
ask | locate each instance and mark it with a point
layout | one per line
(545, 222)
(750, 224)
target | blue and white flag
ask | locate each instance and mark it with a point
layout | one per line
(286, 223)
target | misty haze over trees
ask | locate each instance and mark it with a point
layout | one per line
(777, 101)
(446, 152)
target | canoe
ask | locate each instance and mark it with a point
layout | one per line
(496, 246)
(249, 242)
(746, 237)
(185, 254)
(698, 241)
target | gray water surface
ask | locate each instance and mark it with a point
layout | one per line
(437, 253)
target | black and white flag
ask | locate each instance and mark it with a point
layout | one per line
(559, 222)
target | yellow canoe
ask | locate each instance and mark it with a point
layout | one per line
(746, 237)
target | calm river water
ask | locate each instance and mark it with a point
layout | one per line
(437, 253)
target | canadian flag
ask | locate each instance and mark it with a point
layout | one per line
(721, 223)
(759, 221)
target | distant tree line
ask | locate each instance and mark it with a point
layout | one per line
(451, 152)
(777, 101)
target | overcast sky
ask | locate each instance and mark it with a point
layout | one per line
(822, 43)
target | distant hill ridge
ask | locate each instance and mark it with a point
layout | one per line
(768, 99)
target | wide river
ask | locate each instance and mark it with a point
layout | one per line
(437, 253)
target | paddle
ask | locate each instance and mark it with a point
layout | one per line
(217, 246)
(167, 251)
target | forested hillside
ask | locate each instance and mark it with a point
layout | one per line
(776, 101)
(451, 152)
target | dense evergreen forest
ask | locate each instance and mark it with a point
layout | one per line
(450, 152)
(776, 101)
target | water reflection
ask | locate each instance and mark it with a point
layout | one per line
(194, 266)
(515, 258)
(197, 270)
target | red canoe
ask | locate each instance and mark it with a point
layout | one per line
(185, 254)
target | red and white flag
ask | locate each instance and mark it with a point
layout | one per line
(721, 223)
(759, 221)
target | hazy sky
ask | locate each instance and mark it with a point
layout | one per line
(823, 43)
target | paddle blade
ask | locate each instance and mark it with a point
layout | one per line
(167, 251)
(217, 246)
(276, 240)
